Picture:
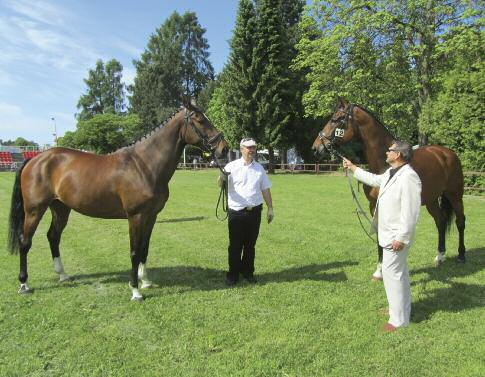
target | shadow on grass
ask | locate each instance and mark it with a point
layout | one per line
(455, 296)
(192, 277)
(182, 219)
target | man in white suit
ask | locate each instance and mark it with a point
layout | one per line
(397, 211)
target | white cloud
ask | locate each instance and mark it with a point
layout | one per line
(40, 11)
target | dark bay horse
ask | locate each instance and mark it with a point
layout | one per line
(438, 167)
(131, 183)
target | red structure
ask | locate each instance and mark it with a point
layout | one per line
(6, 160)
(30, 154)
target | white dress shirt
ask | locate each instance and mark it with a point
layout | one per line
(245, 184)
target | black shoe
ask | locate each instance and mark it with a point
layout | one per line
(230, 281)
(250, 279)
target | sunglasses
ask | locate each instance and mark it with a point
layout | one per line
(392, 150)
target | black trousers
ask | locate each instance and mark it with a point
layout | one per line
(243, 232)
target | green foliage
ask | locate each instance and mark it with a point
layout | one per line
(105, 90)
(174, 68)
(260, 94)
(381, 54)
(20, 141)
(314, 312)
(103, 133)
(455, 116)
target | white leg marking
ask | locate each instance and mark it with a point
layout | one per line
(136, 294)
(377, 275)
(59, 268)
(440, 258)
(24, 288)
(143, 276)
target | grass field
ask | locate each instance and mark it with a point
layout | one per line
(314, 311)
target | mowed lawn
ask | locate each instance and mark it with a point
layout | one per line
(314, 311)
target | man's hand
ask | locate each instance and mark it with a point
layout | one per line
(221, 179)
(269, 215)
(396, 245)
(347, 164)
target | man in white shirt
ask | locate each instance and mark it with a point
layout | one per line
(397, 210)
(248, 185)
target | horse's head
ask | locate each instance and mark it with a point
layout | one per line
(201, 132)
(337, 131)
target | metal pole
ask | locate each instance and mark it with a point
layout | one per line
(55, 130)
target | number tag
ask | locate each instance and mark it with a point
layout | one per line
(339, 132)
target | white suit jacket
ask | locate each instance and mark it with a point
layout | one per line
(398, 203)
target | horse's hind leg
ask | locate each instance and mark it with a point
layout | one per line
(435, 211)
(60, 215)
(457, 204)
(31, 221)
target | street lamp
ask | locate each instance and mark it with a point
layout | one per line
(55, 130)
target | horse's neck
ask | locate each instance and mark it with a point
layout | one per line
(376, 141)
(161, 151)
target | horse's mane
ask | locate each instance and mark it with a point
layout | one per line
(376, 118)
(153, 130)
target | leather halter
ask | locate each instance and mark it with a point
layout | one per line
(340, 123)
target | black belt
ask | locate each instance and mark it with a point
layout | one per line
(248, 208)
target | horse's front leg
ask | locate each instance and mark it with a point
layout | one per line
(135, 225)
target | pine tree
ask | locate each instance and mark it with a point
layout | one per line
(173, 68)
(105, 90)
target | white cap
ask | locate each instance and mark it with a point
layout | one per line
(248, 142)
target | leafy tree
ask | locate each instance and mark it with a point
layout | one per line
(174, 67)
(105, 90)
(103, 133)
(19, 142)
(379, 53)
(454, 116)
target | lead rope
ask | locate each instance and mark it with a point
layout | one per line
(359, 210)
(222, 200)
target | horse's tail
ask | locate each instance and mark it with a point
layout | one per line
(447, 211)
(17, 214)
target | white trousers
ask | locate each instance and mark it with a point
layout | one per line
(395, 274)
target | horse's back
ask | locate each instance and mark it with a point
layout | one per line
(439, 169)
(81, 180)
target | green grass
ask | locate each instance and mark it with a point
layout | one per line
(313, 312)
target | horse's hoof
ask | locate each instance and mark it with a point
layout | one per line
(25, 291)
(376, 278)
(137, 298)
(460, 260)
(64, 278)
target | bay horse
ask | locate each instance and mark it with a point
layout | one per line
(130, 183)
(439, 169)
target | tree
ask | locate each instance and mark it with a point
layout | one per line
(19, 142)
(174, 67)
(382, 54)
(103, 133)
(454, 116)
(105, 90)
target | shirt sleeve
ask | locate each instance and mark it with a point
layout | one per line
(265, 182)
(369, 179)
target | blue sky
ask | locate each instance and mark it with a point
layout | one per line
(48, 46)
